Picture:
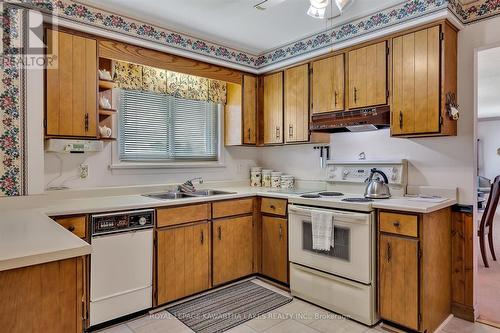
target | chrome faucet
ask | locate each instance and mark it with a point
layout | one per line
(188, 186)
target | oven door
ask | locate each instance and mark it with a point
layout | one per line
(351, 257)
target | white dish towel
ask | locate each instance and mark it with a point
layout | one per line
(322, 230)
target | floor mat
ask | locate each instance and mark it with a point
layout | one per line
(228, 307)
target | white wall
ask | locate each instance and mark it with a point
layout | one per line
(237, 162)
(489, 142)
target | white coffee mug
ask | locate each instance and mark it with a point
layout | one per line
(105, 131)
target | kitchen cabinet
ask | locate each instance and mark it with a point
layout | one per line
(71, 86)
(241, 112)
(275, 248)
(328, 82)
(273, 108)
(424, 68)
(414, 268)
(232, 248)
(368, 76)
(297, 104)
(48, 297)
(398, 260)
(183, 261)
(75, 224)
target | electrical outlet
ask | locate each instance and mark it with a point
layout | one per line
(84, 171)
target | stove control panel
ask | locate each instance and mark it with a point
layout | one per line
(359, 171)
(122, 221)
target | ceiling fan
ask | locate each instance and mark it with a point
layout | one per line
(317, 9)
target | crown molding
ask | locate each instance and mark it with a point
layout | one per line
(399, 16)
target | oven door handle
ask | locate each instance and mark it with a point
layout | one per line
(338, 216)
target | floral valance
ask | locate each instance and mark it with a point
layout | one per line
(139, 77)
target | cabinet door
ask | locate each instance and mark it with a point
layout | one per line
(72, 86)
(398, 279)
(249, 110)
(274, 248)
(328, 84)
(273, 108)
(416, 72)
(297, 104)
(183, 261)
(232, 249)
(368, 76)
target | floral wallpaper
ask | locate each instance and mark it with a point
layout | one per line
(139, 77)
(11, 103)
(399, 13)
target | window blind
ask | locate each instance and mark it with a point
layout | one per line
(159, 127)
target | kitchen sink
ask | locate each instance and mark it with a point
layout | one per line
(169, 195)
(182, 195)
(207, 193)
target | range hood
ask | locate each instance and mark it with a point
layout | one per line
(352, 120)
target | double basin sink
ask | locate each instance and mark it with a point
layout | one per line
(183, 195)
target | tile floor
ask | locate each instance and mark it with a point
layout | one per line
(295, 317)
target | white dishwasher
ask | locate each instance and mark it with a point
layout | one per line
(121, 264)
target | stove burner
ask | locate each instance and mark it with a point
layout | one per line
(310, 196)
(331, 194)
(357, 200)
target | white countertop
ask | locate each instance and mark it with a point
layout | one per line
(28, 236)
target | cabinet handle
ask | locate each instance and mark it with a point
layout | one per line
(397, 224)
(355, 95)
(86, 122)
(401, 119)
(220, 232)
(389, 252)
(290, 131)
(277, 132)
(249, 134)
(281, 232)
(202, 237)
(335, 97)
(273, 207)
(71, 228)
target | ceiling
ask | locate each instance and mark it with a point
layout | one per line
(488, 83)
(236, 23)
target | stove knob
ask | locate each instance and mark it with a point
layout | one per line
(142, 220)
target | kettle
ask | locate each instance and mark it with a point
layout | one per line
(376, 188)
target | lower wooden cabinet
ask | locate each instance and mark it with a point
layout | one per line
(48, 297)
(414, 268)
(183, 261)
(398, 284)
(232, 248)
(275, 248)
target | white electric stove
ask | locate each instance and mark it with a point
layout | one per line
(342, 279)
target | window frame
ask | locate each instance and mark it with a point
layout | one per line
(117, 164)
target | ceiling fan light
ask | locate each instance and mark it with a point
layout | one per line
(342, 4)
(318, 13)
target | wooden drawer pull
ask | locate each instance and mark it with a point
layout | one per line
(397, 224)
(273, 207)
(71, 228)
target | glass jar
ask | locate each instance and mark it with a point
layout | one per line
(276, 179)
(266, 177)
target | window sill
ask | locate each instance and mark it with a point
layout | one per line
(177, 165)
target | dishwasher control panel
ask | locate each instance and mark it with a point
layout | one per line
(122, 221)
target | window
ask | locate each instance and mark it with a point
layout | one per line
(159, 127)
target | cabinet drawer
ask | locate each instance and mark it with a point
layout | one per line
(75, 224)
(232, 207)
(400, 224)
(273, 206)
(178, 215)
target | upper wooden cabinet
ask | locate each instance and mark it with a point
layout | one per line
(240, 120)
(328, 84)
(71, 96)
(368, 76)
(297, 104)
(424, 71)
(273, 108)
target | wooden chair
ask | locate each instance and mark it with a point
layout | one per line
(486, 225)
